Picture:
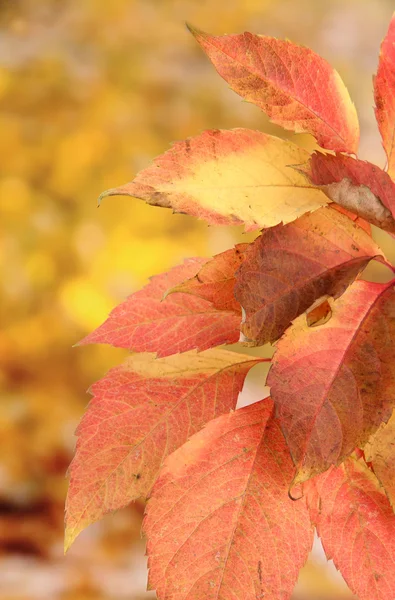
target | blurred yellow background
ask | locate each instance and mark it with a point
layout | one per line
(90, 91)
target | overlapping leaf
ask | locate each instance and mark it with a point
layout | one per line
(358, 220)
(357, 185)
(141, 412)
(294, 86)
(216, 280)
(181, 322)
(229, 178)
(384, 95)
(335, 384)
(289, 267)
(357, 528)
(380, 451)
(219, 522)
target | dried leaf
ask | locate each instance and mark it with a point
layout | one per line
(357, 185)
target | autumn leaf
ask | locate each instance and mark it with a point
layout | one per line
(357, 527)
(289, 267)
(357, 185)
(140, 413)
(229, 178)
(358, 220)
(318, 314)
(216, 280)
(380, 451)
(334, 385)
(181, 322)
(294, 86)
(219, 521)
(384, 95)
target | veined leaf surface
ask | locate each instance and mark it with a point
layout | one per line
(295, 87)
(140, 413)
(289, 267)
(146, 322)
(380, 451)
(334, 385)
(229, 178)
(357, 527)
(216, 280)
(219, 521)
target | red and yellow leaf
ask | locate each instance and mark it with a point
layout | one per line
(181, 322)
(141, 412)
(357, 185)
(289, 267)
(380, 451)
(294, 86)
(384, 95)
(215, 281)
(229, 178)
(357, 528)
(219, 521)
(334, 385)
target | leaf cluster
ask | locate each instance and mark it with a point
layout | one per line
(235, 495)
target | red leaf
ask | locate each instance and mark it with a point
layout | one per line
(229, 178)
(143, 323)
(334, 385)
(289, 267)
(141, 412)
(294, 86)
(216, 280)
(219, 522)
(357, 528)
(380, 451)
(357, 185)
(384, 95)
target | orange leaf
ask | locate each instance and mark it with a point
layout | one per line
(294, 86)
(289, 267)
(334, 385)
(380, 451)
(219, 521)
(357, 185)
(384, 95)
(143, 323)
(229, 178)
(216, 280)
(141, 412)
(358, 220)
(357, 528)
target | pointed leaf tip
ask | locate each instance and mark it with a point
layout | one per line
(69, 539)
(110, 192)
(194, 30)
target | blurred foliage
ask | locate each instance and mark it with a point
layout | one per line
(90, 91)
